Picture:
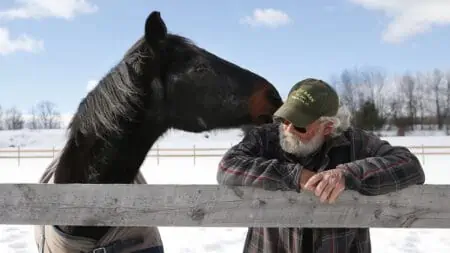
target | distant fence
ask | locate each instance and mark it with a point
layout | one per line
(156, 152)
(194, 152)
(424, 206)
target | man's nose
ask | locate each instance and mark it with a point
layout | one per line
(289, 127)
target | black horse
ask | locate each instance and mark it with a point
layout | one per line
(164, 81)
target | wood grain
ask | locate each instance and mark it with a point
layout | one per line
(425, 206)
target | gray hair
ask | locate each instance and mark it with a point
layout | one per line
(341, 121)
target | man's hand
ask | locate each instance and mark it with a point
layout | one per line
(327, 185)
(304, 177)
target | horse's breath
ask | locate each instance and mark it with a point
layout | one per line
(164, 81)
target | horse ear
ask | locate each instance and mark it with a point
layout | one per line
(155, 28)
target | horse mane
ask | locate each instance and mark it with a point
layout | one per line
(118, 93)
(115, 98)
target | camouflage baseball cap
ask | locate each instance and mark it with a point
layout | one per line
(308, 100)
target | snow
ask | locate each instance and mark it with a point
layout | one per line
(15, 239)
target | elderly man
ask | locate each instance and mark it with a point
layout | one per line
(312, 147)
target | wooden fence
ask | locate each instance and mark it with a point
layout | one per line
(194, 152)
(424, 206)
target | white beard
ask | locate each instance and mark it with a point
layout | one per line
(291, 144)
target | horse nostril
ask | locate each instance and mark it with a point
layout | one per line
(263, 104)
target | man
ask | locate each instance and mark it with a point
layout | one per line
(312, 147)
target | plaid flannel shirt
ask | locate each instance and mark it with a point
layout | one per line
(373, 167)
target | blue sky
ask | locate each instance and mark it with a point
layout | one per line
(52, 50)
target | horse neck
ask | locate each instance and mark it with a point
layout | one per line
(113, 159)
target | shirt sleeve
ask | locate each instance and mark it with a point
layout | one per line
(384, 168)
(249, 164)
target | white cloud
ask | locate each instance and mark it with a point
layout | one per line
(91, 84)
(267, 17)
(66, 9)
(24, 42)
(37, 9)
(409, 17)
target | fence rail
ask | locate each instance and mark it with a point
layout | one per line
(424, 206)
(193, 152)
(156, 152)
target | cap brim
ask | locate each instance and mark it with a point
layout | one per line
(294, 115)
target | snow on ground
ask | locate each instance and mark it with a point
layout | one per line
(47, 139)
(15, 239)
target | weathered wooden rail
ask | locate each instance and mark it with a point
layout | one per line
(424, 206)
(190, 152)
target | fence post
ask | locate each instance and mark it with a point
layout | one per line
(194, 153)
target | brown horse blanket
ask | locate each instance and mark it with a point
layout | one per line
(50, 239)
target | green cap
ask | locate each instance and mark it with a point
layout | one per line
(308, 100)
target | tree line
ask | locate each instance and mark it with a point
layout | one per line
(44, 115)
(404, 102)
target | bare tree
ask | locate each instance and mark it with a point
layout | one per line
(33, 122)
(422, 97)
(358, 85)
(408, 90)
(374, 88)
(436, 80)
(447, 104)
(47, 115)
(347, 90)
(409, 100)
(396, 109)
(14, 119)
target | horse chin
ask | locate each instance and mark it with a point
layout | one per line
(200, 124)
(260, 120)
(249, 122)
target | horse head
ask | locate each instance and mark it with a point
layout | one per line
(199, 90)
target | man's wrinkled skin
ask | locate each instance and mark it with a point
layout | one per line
(327, 185)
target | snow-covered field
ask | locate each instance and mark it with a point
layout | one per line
(15, 239)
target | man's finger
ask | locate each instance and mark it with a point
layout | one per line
(312, 181)
(320, 187)
(326, 192)
(335, 193)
